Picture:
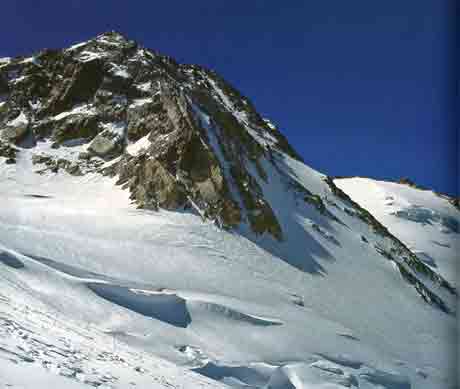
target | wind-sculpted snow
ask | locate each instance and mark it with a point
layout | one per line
(168, 308)
(423, 215)
(385, 380)
(240, 376)
(219, 311)
(10, 260)
(321, 373)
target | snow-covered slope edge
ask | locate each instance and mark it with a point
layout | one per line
(425, 221)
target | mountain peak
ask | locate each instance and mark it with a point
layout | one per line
(198, 134)
(112, 36)
(177, 137)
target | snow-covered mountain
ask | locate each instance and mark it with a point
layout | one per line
(156, 231)
(427, 222)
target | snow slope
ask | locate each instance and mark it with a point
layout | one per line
(422, 219)
(111, 292)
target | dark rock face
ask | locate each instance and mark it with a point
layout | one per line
(14, 132)
(89, 91)
(75, 127)
(83, 82)
(8, 152)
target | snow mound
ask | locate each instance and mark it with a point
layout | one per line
(10, 260)
(116, 129)
(168, 308)
(79, 109)
(239, 376)
(139, 146)
(216, 311)
(19, 120)
(385, 379)
(426, 216)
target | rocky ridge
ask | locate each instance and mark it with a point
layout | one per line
(125, 101)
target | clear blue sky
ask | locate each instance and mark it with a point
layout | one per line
(359, 87)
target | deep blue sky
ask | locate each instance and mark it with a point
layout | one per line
(359, 87)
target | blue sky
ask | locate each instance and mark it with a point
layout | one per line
(359, 87)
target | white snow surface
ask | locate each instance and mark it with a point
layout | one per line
(33, 60)
(140, 102)
(76, 46)
(35, 104)
(145, 87)
(79, 109)
(269, 123)
(137, 147)
(87, 55)
(19, 120)
(117, 129)
(17, 80)
(93, 290)
(423, 220)
(5, 61)
(120, 71)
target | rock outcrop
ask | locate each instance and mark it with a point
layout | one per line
(16, 129)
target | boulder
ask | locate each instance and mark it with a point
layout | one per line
(75, 127)
(110, 141)
(156, 187)
(74, 169)
(8, 151)
(40, 158)
(16, 129)
(103, 144)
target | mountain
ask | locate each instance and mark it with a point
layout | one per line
(158, 232)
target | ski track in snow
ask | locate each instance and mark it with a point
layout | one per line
(41, 350)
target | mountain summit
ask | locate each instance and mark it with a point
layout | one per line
(155, 191)
(186, 138)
